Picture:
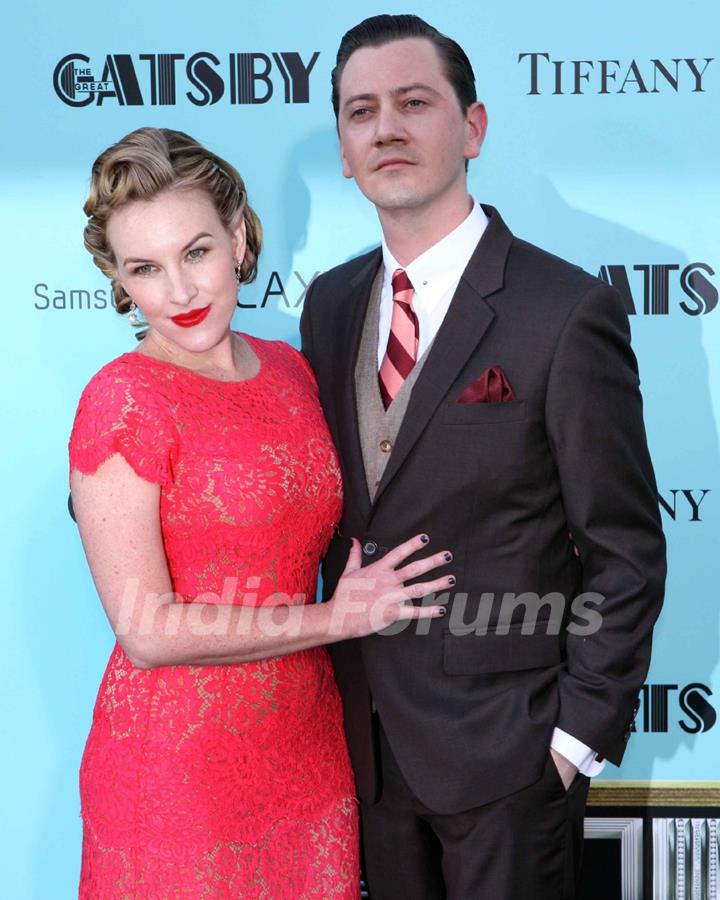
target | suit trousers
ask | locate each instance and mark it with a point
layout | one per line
(525, 846)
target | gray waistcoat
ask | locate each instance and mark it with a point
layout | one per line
(378, 428)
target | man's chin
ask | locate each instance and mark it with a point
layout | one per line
(394, 200)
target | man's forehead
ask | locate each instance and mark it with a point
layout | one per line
(391, 66)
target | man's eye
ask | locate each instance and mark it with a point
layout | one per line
(359, 113)
(415, 103)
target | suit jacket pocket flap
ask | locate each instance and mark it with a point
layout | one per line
(483, 413)
(472, 654)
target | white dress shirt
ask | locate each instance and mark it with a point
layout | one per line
(435, 275)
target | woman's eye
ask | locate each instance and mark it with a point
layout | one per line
(197, 253)
(143, 270)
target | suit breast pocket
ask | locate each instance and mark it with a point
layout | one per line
(454, 413)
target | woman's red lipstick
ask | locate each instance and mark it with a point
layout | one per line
(194, 317)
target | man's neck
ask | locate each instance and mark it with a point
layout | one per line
(410, 232)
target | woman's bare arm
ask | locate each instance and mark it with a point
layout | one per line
(118, 514)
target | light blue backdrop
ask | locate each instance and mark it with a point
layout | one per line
(618, 179)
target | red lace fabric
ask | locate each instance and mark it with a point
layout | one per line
(220, 781)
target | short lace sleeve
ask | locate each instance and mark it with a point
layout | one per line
(122, 411)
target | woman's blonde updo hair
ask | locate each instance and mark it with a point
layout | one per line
(151, 160)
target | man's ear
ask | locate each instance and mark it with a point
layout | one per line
(476, 122)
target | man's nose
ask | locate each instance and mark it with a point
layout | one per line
(389, 126)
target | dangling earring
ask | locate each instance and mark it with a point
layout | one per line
(132, 318)
(238, 273)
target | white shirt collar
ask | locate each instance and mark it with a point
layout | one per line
(439, 268)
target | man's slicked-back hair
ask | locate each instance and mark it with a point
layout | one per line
(379, 30)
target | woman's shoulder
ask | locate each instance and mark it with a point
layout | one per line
(132, 365)
(122, 410)
(128, 389)
(130, 375)
(282, 353)
(264, 345)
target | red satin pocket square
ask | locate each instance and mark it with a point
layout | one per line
(490, 387)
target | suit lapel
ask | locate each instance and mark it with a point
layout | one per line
(349, 324)
(468, 318)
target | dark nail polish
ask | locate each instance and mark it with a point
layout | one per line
(442, 611)
(451, 579)
(447, 556)
(424, 538)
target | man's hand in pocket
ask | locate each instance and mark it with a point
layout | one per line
(565, 768)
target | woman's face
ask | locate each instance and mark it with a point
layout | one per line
(176, 260)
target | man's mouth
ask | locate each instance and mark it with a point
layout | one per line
(393, 161)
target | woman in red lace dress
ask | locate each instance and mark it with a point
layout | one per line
(206, 488)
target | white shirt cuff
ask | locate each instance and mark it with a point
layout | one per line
(579, 754)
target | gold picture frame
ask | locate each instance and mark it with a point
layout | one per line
(654, 793)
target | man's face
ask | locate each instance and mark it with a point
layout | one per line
(403, 135)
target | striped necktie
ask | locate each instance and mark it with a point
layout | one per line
(402, 348)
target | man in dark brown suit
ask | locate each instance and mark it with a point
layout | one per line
(485, 392)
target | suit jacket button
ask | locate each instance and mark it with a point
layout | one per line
(370, 548)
